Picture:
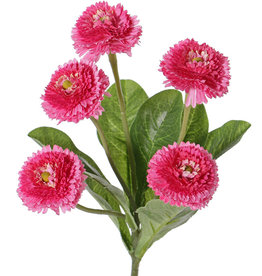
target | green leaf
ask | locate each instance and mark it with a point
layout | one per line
(197, 128)
(118, 195)
(157, 124)
(108, 196)
(111, 123)
(52, 136)
(158, 218)
(224, 138)
(108, 201)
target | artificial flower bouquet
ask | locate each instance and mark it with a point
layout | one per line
(159, 148)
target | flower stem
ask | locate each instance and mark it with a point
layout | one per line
(184, 122)
(100, 212)
(135, 266)
(135, 261)
(113, 62)
(105, 146)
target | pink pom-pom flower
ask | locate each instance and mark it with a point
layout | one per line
(197, 69)
(105, 29)
(75, 92)
(51, 179)
(183, 175)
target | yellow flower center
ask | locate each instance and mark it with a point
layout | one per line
(45, 176)
(66, 84)
(101, 15)
(197, 59)
(103, 18)
(188, 169)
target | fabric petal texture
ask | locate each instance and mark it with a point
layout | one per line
(51, 179)
(183, 175)
(75, 92)
(197, 69)
(105, 29)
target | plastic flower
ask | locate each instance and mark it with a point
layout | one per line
(199, 70)
(183, 175)
(75, 92)
(105, 29)
(51, 179)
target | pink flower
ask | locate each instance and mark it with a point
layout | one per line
(105, 29)
(198, 69)
(51, 179)
(183, 175)
(75, 92)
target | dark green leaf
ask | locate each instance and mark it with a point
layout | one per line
(197, 128)
(111, 123)
(158, 218)
(224, 138)
(157, 124)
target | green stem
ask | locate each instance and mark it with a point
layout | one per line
(100, 212)
(113, 62)
(105, 146)
(135, 261)
(135, 266)
(184, 122)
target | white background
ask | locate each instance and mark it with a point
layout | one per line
(223, 239)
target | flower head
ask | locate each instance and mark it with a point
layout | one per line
(51, 179)
(197, 69)
(75, 92)
(183, 175)
(105, 29)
